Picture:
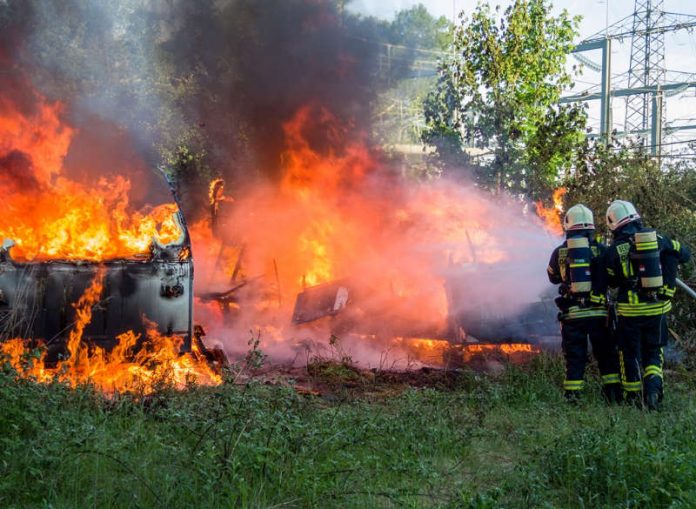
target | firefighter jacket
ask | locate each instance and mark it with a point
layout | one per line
(630, 301)
(571, 308)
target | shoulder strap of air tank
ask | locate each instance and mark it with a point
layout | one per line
(623, 249)
(562, 257)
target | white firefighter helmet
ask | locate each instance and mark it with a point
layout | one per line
(619, 213)
(578, 217)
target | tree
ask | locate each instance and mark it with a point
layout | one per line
(499, 92)
(664, 195)
(416, 27)
(409, 47)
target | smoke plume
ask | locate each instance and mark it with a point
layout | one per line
(275, 96)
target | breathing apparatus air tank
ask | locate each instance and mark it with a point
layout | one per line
(645, 259)
(579, 259)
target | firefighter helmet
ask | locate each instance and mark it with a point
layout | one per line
(620, 213)
(578, 217)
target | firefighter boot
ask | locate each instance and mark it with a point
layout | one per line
(652, 400)
(613, 393)
(652, 387)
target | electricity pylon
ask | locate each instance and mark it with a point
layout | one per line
(646, 77)
(647, 68)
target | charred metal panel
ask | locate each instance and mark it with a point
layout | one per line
(319, 301)
(473, 317)
(36, 298)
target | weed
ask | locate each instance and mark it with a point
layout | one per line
(479, 442)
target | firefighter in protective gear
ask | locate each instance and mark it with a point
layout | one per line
(577, 265)
(642, 265)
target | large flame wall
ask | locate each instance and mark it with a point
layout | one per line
(52, 216)
(339, 212)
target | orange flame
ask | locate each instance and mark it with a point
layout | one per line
(338, 215)
(216, 190)
(16, 352)
(50, 216)
(316, 180)
(435, 351)
(552, 216)
(506, 348)
(125, 368)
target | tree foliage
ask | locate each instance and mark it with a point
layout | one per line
(416, 27)
(665, 196)
(499, 92)
(413, 36)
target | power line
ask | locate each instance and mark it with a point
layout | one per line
(680, 142)
(398, 46)
(642, 147)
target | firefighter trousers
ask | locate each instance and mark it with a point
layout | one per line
(641, 340)
(574, 336)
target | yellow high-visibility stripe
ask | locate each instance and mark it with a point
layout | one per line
(578, 265)
(627, 386)
(585, 313)
(599, 312)
(653, 367)
(637, 314)
(668, 291)
(573, 385)
(653, 371)
(676, 245)
(643, 305)
(597, 299)
(632, 298)
(644, 246)
(643, 308)
(612, 378)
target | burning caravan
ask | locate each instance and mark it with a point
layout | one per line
(37, 298)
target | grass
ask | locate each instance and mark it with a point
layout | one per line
(468, 440)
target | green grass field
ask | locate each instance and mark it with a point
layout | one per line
(461, 439)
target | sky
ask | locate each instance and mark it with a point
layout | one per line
(594, 11)
(680, 54)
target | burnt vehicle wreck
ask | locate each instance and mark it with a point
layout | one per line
(37, 298)
(469, 321)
